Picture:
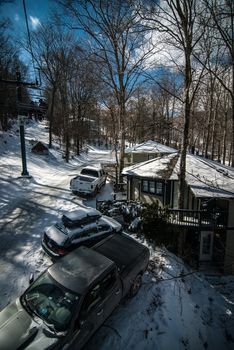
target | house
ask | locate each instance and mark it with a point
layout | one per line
(209, 201)
(40, 148)
(145, 151)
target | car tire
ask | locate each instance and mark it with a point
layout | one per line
(135, 286)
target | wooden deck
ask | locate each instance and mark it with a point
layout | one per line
(196, 218)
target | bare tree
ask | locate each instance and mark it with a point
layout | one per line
(50, 45)
(10, 62)
(222, 14)
(114, 31)
(178, 22)
(83, 89)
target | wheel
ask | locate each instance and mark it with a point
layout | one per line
(136, 284)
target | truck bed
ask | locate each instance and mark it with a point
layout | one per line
(121, 249)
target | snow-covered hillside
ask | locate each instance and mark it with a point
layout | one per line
(176, 307)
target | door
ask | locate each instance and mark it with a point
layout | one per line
(111, 292)
(137, 190)
(98, 304)
(206, 245)
(90, 317)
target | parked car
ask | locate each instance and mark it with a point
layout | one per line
(66, 304)
(89, 181)
(85, 226)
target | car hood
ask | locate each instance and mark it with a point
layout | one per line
(56, 234)
(19, 330)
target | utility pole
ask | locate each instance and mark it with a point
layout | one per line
(21, 125)
(18, 83)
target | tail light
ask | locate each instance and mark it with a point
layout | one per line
(61, 251)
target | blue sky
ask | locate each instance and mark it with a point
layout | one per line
(37, 11)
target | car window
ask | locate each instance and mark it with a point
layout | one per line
(90, 172)
(88, 232)
(108, 283)
(50, 301)
(103, 228)
(91, 300)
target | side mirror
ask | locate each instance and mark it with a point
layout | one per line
(31, 278)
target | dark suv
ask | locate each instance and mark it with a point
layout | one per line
(85, 226)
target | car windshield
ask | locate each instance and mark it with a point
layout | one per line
(89, 172)
(51, 302)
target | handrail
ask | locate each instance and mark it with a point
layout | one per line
(196, 218)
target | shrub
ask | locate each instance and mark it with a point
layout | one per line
(156, 227)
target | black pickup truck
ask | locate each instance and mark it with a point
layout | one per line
(66, 304)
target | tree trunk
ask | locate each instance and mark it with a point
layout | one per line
(187, 110)
(232, 97)
(51, 116)
(122, 139)
(225, 138)
(210, 118)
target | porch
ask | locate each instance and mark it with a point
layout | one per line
(202, 219)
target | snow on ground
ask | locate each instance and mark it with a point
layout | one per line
(176, 308)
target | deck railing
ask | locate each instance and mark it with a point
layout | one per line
(184, 217)
(196, 218)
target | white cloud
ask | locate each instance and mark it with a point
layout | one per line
(16, 17)
(35, 22)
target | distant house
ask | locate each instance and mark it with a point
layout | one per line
(145, 151)
(40, 148)
(209, 200)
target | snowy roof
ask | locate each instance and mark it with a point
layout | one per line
(208, 178)
(150, 147)
(154, 168)
(205, 177)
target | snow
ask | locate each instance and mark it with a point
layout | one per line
(150, 168)
(205, 177)
(208, 178)
(150, 147)
(176, 307)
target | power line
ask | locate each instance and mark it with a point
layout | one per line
(29, 37)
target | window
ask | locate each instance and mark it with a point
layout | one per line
(51, 302)
(91, 299)
(103, 228)
(145, 186)
(90, 172)
(159, 188)
(151, 156)
(153, 187)
(88, 232)
(108, 283)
